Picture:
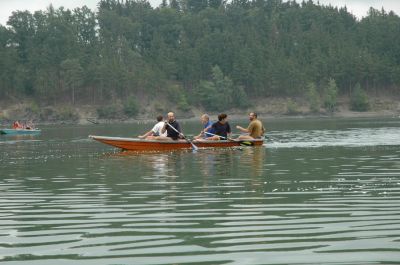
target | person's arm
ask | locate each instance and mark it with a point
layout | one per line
(242, 129)
(198, 136)
(204, 132)
(164, 128)
(146, 134)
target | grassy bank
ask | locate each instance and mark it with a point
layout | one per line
(267, 108)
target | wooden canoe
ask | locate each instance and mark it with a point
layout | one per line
(135, 144)
(19, 131)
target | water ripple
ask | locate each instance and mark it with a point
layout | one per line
(63, 201)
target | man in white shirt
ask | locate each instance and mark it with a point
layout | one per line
(156, 131)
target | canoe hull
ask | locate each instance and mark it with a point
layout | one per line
(19, 131)
(134, 144)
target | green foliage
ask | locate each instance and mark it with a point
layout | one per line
(47, 113)
(183, 103)
(359, 99)
(108, 112)
(207, 95)
(67, 114)
(33, 109)
(173, 93)
(240, 98)
(177, 95)
(220, 93)
(291, 107)
(73, 75)
(330, 96)
(131, 107)
(262, 48)
(313, 97)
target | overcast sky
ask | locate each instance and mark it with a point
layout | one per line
(358, 7)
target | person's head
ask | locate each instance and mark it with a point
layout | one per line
(252, 116)
(159, 118)
(222, 117)
(171, 116)
(204, 118)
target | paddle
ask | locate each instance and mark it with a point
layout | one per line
(193, 145)
(245, 143)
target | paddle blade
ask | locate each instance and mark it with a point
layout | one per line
(194, 147)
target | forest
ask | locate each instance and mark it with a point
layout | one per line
(212, 54)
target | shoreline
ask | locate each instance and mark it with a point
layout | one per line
(235, 116)
(267, 109)
(241, 117)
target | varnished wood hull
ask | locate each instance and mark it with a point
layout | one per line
(134, 144)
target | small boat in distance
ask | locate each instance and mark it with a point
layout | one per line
(135, 144)
(20, 131)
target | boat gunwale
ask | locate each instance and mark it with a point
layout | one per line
(137, 140)
(19, 131)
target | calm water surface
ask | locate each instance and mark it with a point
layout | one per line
(318, 192)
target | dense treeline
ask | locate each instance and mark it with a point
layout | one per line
(206, 52)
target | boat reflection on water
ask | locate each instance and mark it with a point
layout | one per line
(253, 160)
(208, 164)
(242, 162)
(252, 163)
(156, 164)
(18, 137)
(165, 178)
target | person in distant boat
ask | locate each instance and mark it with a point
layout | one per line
(221, 128)
(155, 131)
(17, 125)
(255, 130)
(29, 125)
(207, 124)
(172, 128)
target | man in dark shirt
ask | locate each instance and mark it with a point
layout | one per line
(221, 128)
(172, 133)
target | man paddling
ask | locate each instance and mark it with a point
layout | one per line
(255, 130)
(172, 127)
(207, 131)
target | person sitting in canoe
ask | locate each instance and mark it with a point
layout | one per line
(221, 128)
(172, 128)
(155, 131)
(207, 124)
(29, 125)
(255, 130)
(17, 125)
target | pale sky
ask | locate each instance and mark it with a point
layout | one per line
(358, 7)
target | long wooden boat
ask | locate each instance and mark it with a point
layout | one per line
(19, 131)
(135, 144)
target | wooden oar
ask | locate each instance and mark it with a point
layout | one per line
(193, 145)
(245, 143)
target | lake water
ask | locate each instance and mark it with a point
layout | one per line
(318, 192)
